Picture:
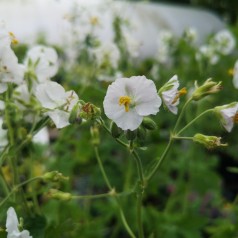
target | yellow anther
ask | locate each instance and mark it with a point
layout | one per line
(180, 93)
(231, 71)
(125, 100)
(13, 38)
(94, 21)
(235, 118)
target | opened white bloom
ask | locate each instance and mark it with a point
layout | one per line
(170, 94)
(235, 75)
(228, 115)
(128, 100)
(12, 226)
(224, 42)
(52, 96)
(43, 61)
(107, 54)
(207, 52)
(10, 70)
(6, 37)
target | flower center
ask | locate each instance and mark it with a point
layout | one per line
(180, 93)
(125, 100)
(231, 72)
(13, 38)
(235, 118)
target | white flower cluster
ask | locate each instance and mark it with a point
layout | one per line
(222, 43)
(40, 64)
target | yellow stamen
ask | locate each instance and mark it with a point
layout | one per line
(231, 72)
(13, 38)
(235, 118)
(125, 100)
(180, 93)
(94, 21)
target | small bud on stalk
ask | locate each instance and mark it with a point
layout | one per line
(209, 87)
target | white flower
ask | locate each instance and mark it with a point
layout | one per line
(52, 96)
(44, 61)
(224, 42)
(12, 226)
(128, 100)
(107, 54)
(228, 115)
(207, 52)
(170, 94)
(235, 75)
(3, 134)
(10, 70)
(6, 37)
(164, 43)
(133, 46)
(190, 35)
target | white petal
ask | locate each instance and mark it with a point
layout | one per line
(12, 221)
(3, 87)
(59, 117)
(129, 120)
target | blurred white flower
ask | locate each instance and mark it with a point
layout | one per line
(107, 54)
(133, 46)
(110, 78)
(43, 61)
(190, 35)
(6, 37)
(170, 94)
(10, 70)
(235, 75)
(224, 42)
(164, 43)
(207, 52)
(52, 96)
(3, 135)
(12, 226)
(128, 100)
(228, 115)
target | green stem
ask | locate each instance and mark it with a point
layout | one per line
(102, 168)
(182, 137)
(15, 188)
(139, 215)
(154, 170)
(109, 132)
(139, 194)
(139, 167)
(4, 183)
(194, 120)
(124, 221)
(181, 114)
(103, 195)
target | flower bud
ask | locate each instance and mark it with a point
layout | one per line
(210, 142)
(209, 87)
(115, 130)
(149, 124)
(74, 114)
(131, 135)
(89, 111)
(59, 195)
(141, 133)
(54, 176)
